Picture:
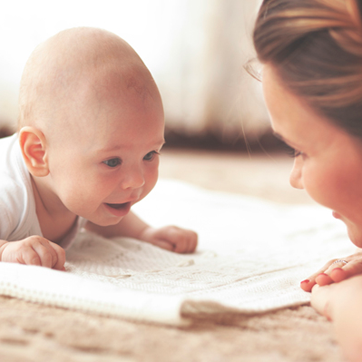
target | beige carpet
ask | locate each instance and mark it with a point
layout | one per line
(30, 332)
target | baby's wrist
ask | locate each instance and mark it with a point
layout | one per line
(3, 244)
(146, 233)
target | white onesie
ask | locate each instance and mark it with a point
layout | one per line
(18, 218)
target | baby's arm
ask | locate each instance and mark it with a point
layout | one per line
(335, 271)
(168, 237)
(341, 303)
(34, 250)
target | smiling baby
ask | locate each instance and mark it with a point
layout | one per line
(90, 130)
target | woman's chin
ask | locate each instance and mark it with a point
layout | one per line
(355, 236)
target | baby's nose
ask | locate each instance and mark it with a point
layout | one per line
(133, 179)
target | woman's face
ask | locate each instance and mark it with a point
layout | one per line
(328, 161)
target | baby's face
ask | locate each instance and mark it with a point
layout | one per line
(110, 160)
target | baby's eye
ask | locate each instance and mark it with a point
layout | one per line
(113, 162)
(150, 155)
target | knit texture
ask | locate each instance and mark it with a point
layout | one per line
(252, 254)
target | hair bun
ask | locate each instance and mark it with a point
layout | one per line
(359, 4)
(355, 9)
(315, 47)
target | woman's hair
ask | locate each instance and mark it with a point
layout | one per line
(315, 46)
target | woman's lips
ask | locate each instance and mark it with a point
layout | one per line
(118, 209)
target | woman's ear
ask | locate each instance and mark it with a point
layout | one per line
(33, 148)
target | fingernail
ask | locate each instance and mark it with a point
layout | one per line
(322, 274)
(305, 281)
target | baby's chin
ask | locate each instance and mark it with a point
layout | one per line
(105, 223)
(108, 219)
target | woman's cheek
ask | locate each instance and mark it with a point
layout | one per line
(319, 183)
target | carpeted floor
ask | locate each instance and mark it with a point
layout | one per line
(31, 332)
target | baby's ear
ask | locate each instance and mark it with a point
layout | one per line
(33, 148)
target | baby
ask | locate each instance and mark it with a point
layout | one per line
(91, 127)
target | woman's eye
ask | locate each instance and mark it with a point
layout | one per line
(150, 156)
(291, 151)
(294, 153)
(113, 162)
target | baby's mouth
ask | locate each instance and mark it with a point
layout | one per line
(119, 206)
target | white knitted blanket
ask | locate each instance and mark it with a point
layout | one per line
(251, 257)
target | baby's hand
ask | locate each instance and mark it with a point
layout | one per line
(34, 250)
(171, 238)
(335, 271)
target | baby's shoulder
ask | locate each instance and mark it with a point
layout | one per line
(14, 176)
(10, 185)
(16, 193)
(12, 204)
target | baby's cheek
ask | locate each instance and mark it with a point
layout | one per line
(151, 178)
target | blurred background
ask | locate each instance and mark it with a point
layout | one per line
(195, 49)
(217, 128)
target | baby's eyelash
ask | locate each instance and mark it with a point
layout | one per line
(151, 155)
(113, 162)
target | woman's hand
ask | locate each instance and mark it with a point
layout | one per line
(321, 299)
(341, 303)
(171, 238)
(335, 271)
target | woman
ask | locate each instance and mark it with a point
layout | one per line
(311, 51)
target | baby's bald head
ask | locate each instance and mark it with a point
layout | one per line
(66, 68)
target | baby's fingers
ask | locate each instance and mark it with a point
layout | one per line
(35, 250)
(163, 244)
(27, 256)
(48, 256)
(188, 244)
(185, 241)
(51, 254)
(60, 257)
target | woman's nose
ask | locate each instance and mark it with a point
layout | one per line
(295, 178)
(133, 178)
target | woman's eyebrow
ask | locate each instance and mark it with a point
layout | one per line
(279, 136)
(287, 142)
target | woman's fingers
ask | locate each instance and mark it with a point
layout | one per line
(307, 285)
(335, 271)
(323, 279)
(342, 271)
